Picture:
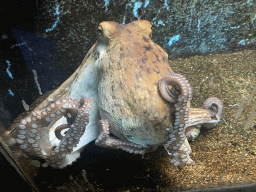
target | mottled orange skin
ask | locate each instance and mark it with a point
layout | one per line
(130, 70)
(134, 95)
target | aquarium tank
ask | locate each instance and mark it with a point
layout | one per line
(128, 96)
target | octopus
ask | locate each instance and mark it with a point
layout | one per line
(125, 95)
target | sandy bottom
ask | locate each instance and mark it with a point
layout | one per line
(224, 156)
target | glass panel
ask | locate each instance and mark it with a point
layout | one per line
(166, 104)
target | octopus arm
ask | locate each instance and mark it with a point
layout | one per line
(105, 140)
(34, 132)
(180, 94)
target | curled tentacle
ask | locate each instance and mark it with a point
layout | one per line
(105, 140)
(215, 107)
(180, 93)
(70, 116)
(59, 129)
(169, 87)
(34, 132)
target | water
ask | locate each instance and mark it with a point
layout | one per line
(217, 57)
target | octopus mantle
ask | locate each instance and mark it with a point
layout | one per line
(102, 97)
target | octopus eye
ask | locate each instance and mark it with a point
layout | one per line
(100, 30)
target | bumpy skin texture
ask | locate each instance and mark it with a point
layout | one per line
(141, 100)
(133, 94)
(129, 98)
(32, 133)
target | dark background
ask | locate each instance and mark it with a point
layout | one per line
(52, 37)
